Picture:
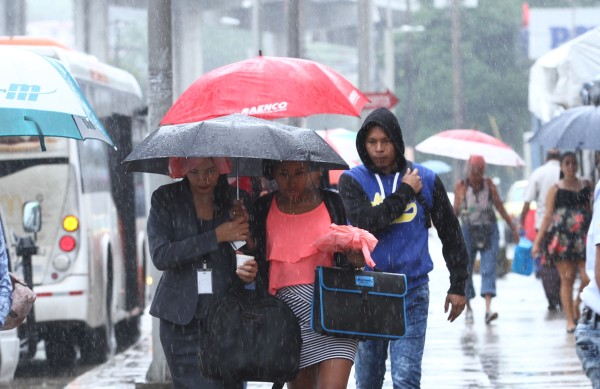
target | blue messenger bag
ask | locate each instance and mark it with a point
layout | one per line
(357, 304)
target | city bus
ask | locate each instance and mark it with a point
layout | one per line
(89, 270)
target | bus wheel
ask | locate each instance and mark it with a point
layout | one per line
(60, 348)
(97, 345)
(127, 332)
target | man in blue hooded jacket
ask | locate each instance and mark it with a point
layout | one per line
(395, 200)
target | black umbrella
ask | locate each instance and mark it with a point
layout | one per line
(576, 128)
(246, 139)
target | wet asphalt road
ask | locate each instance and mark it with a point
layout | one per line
(38, 373)
(527, 347)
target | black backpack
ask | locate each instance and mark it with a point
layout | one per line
(249, 335)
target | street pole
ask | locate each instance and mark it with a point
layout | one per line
(294, 28)
(160, 98)
(457, 82)
(295, 34)
(409, 132)
(457, 93)
(389, 49)
(91, 27)
(13, 17)
(256, 29)
(364, 45)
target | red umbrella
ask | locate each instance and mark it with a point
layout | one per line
(269, 88)
(460, 144)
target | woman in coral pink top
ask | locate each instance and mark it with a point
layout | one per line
(285, 223)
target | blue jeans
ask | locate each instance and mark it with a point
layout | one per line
(487, 266)
(406, 354)
(587, 345)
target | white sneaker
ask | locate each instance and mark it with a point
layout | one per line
(469, 316)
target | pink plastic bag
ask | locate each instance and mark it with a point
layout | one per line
(342, 238)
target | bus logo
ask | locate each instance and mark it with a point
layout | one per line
(24, 92)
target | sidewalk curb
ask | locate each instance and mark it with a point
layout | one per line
(126, 370)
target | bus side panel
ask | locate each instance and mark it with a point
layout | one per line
(62, 306)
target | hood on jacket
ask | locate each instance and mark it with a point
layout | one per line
(387, 120)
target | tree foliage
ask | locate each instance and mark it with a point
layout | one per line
(494, 72)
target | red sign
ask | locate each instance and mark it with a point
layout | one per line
(380, 99)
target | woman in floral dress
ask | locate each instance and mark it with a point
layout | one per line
(568, 215)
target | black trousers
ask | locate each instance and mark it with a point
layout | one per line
(180, 344)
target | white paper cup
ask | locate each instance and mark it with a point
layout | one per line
(241, 258)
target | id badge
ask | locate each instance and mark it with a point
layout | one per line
(205, 281)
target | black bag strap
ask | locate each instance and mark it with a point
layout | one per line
(421, 200)
(337, 212)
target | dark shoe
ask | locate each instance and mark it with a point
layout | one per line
(571, 330)
(489, 316)
(552, 307)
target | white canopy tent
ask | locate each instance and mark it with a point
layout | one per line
(556, 78)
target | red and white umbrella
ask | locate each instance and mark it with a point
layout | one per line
(269, 88)
(460, 144)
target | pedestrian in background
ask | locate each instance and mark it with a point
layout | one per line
(395, 201)
(285, 223)
(587, 334)
(565, 223)
(540, 181)
(5, 282)
(475, 198)
(190, 227)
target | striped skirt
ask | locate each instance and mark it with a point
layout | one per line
(315, 347)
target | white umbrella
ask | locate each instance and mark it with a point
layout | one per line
(460, 144)
(39, 97)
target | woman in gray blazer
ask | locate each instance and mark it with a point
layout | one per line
(190, 227)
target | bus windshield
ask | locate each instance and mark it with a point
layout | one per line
(20, 152)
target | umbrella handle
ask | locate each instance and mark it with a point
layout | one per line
(39, 131)
(237, 177)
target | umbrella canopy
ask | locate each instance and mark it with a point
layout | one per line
(344, 143)
(437, 166)
(247, 139)
(269, 88)
(460, 144)
(576, 128)
(39, 97)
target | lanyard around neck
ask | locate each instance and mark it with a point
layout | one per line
(394, 185)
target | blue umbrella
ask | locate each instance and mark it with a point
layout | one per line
(439, 167)
(576, 128)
